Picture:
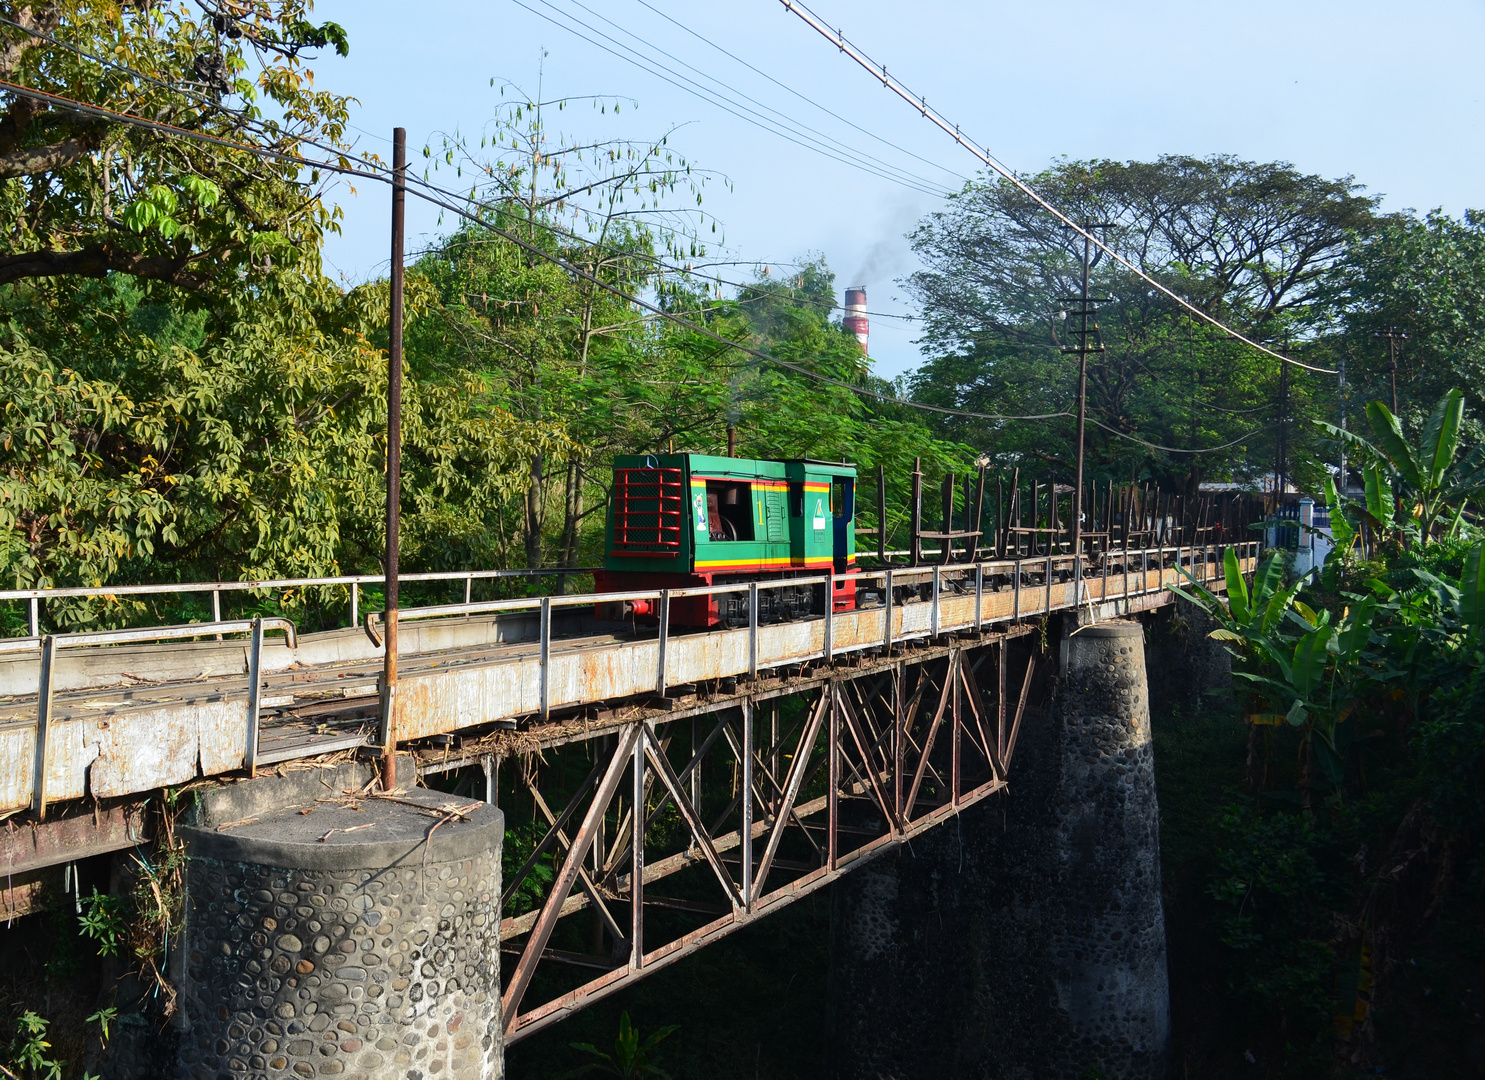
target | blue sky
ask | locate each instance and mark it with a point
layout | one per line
(1390, 93)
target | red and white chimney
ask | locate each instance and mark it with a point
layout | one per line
(856, 315)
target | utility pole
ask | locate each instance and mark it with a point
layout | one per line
(1393, 336)
(1086, 310)
(1341, 386)
(1281, 463)
(394, 463)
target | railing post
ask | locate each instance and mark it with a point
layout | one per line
(255, 680)
(829, 617)
(35, 616)
(752, 629)
(491, 778)
(887, 615)
(979, 587)
(43, 725)
(546, 657)
(934, 613)
(664, 634)
(216, 608)
(637, 871)
(1126, 570)
(1049, 577)
(747, 803)
(468, 587)
(1016, 574)
(355, 603)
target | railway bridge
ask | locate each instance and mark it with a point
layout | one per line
(578, 803)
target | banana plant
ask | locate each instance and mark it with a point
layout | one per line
(1303, 669)
(1313, 680)
(1343, 530)
(1431, 478)
(1246, 617)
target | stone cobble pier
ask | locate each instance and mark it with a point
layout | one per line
(1027, 940)
(331, 936)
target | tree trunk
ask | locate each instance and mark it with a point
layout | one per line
(534, 492)
(572, 513)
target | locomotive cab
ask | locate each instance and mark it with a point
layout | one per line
(687, 520)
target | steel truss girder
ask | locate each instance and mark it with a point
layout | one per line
(862, 735)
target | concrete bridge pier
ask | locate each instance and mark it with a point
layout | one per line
(334, 934)
(1026, 939)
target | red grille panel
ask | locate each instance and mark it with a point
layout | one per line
(648, 508)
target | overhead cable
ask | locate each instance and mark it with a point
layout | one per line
(711, 97)
(383, 174)
(928, 112)
(844, 147)
(263, 128)
(802, 97)
(1173, 449)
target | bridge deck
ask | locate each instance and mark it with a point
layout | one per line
(125, 720)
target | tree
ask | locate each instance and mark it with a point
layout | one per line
(1424, 277)
(607, 207)
(1251, 244)
(88, 196)
(145, 440)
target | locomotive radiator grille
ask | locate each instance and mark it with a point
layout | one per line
(648, 509)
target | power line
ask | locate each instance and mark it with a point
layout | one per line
(299, 160)
(713, 98)
(1173, 449)
(877, 71)
(262, 128)
(383, 175)
(785, 117)
(802, 97)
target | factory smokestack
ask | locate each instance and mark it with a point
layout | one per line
(856, 316)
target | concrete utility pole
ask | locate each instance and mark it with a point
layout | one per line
(1281, 461)
(1086, 309)
(1393, 336)
(394, 462)
(1341, 388)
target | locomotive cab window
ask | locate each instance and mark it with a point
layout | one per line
(796, 498)
(841, 502)
(729, 510)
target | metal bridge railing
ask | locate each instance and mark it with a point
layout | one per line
(49, 644)
(1030, 599)
(353, 581)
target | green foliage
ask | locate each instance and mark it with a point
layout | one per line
(1272, 890)
(1367, 680)
(1423, 276)
(102, 921)
(87, 196)
(142, 443)
(632, 1058)
(1434, 481)
(1451, 750)
(1253, 244)
(103, 1018)
(520, 842)
(30, 1050)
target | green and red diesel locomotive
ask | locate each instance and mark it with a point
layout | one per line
(687, 520)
